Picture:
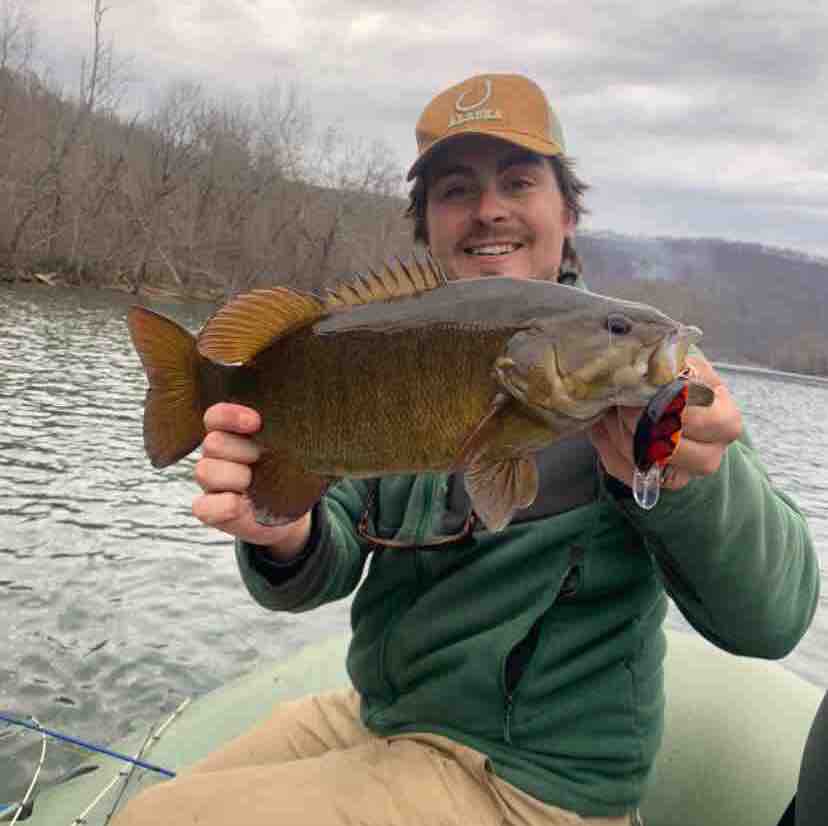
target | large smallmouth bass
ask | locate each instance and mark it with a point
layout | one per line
(403, 371)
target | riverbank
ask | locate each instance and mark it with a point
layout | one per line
(160, 292)
(770, 373)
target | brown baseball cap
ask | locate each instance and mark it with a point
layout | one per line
(510, 107)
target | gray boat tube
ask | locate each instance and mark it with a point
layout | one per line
(811, 805)
(735, 733)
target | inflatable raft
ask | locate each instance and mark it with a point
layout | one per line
(734, 738)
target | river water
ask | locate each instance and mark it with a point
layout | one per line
(116, 603)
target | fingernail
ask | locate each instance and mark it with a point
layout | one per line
(248, 421)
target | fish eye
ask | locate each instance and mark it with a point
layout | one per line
(618, 325)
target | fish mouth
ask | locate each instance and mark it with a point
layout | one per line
(670, 355)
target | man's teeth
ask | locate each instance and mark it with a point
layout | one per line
(492, 249)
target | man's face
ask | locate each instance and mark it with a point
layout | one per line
(493, 208)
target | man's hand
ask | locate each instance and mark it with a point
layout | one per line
(224, 474)
(706, 434)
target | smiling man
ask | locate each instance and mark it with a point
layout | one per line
(493, 195)
(495, 210)
(498, 678)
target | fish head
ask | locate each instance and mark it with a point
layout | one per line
(601, 353)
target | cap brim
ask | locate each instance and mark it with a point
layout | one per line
(539, 145)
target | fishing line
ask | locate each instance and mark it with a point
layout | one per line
(128, 777)
(21, 806)
(76, 741)
(151, 738)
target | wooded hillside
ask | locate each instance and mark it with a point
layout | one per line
(200, 193)
(756, 304)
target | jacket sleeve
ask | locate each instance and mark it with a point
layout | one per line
(333, 561)
(736, 556)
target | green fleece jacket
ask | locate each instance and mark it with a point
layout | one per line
(542, 645)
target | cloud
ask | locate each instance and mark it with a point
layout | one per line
(695, 113)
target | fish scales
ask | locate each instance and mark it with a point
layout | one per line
(361, 403)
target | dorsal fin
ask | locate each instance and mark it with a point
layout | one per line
(249, 323)
(397, 279)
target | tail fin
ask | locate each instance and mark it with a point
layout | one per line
(173, 410)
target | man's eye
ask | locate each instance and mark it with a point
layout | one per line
(455, 190)
(518, 184)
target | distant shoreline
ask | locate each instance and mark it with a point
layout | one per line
(176, 294)
(808, 378)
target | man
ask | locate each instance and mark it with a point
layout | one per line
(511, 677)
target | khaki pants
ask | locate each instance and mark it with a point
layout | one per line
(313, 763)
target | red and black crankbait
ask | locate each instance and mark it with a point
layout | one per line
(657, 435)
(658, 432)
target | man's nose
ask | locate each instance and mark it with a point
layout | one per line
(491, 205)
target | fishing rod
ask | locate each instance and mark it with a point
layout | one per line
(75, 741)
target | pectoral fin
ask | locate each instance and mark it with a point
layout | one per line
(484, 434)
(281, 491)
(507, 431)
(501, 475)
(498, 489)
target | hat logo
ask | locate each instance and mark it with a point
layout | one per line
(465, 112)
(470, 107)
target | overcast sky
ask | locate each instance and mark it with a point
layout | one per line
(688, 118)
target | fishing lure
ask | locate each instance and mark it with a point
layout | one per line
(657, 436)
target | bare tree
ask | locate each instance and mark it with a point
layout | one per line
(64, 129)
(284, 128)
(348, 175)
(17, 37)
(159, 166)
(17, 41)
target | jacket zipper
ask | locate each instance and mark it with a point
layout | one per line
(507, 718)
(576, 557)
(422, 526)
